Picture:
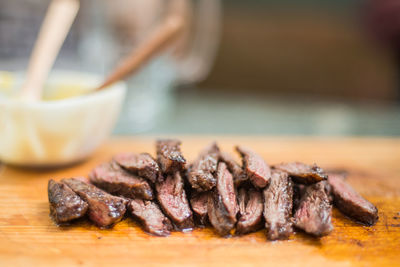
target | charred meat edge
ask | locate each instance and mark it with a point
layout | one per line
(222, 204)
(315, 211)
(250, 210)
(150, 216)
(173, 201)
(142, 165)
(169, 156)
(303, 173)
(65, 204)
(104, 209)
(351, 203)
(113, 179)
(202, 172)
(257, 170)
(278, 206)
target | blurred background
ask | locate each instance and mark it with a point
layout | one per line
(277, 67)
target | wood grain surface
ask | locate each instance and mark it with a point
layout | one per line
(28, 237)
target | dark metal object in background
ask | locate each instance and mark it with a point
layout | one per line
(383, 19)
(315, 48)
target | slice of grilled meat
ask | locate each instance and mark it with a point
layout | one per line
(239, 175)
(142, 165)
(169, 156)
(65, 204)
(112, 178)
(257, 170)
(302, 173)
(104, 209)
(222, 205)
(150, 216)
(202, 171)
(351, 203)
(315, 211)
(199, 202)
(251, 208)
(172, 198)
(278, 206)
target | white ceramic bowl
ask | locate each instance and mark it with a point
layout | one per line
(54, 133)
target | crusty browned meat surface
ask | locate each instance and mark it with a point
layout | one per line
(65, 204)
(113, 179)
(172, 198)
(150, 216)
(202, 172)
(104, 209)
(199, 202)
(169, 156)
(250, 210)
(302, 173)
(315, 212)
(222, 205)
(278, 204)
(257, 170)
(239, 176)
(351, 203)
(142, 165)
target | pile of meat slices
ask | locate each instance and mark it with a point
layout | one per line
(214, 190)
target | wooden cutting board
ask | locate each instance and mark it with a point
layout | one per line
(30, 238)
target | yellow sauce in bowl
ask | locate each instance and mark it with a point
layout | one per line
(7, 81)
(52, 91)
(63, 91)
(63, 127)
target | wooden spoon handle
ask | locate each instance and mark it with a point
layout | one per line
(160, 39)
(59, 18)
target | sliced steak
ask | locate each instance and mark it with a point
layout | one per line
(278, 204)
(104, 209)
(239, 176)
(199, 202)
(351, 203)
(172, 198)
(169, 156)
(202, 172)
(150, 216)
(113, 179)
(65, 204)
(250, 210)
(222, 204)
(257, 170)
(142, 165)
(302, 173)
(315, 212)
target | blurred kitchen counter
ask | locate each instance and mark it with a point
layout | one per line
(197, 111)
